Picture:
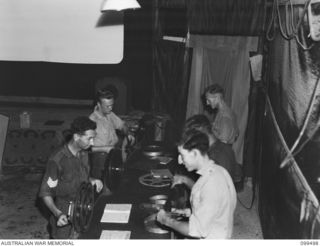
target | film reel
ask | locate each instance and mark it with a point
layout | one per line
(152, 181)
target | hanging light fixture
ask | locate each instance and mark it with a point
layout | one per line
(119, 5)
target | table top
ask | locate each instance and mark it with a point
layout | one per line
(130, 191)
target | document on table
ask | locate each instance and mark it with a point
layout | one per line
(116, 213)
(107, 234)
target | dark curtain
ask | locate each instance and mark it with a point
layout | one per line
(288, 195)
(251, 151)
(227, 17)
(171, 70)
(171, 67)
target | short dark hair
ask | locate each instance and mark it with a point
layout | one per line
(81, 124)
(195, 139)
(214, 89)
(199, 122)
(103, 93)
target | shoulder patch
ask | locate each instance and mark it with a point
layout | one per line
(52, 183)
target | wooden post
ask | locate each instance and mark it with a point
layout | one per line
(3, 133)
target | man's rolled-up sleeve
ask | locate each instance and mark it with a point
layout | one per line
(50, 180)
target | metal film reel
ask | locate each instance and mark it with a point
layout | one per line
(114, 169)
(80, 212)
(152, 181)
(151, 224)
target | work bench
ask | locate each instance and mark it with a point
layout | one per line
(131, 191)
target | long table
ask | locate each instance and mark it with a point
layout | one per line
(132, 192)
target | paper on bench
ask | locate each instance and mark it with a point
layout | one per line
(107, 234)
(116, 213)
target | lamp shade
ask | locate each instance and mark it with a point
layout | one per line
(119, 5)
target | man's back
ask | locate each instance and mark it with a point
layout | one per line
(213, 201)
(224, 156)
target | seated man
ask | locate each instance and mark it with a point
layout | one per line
(224, 126)
(213, 196)
(66, 169)
(107, 124)
(220, 152)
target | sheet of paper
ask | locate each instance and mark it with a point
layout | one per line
(107, 234)
(116, 213)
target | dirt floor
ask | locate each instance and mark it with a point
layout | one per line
(22, 217)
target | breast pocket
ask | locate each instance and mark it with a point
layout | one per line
(67, 185)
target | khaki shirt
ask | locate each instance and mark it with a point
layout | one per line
(106, 128)
(213, 201)
(225, 126)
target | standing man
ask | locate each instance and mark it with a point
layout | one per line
(213, 196)
(107, 124)
(224, 126)
(66, 169)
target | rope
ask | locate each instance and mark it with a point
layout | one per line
(314, 222)
(298, 172)
(252, 199)
(289, 23)
(307, 119)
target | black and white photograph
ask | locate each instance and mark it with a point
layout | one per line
(159, 120)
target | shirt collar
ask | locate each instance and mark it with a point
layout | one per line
(67, 151)
(206, 169)
(69, 154)
(97, 113)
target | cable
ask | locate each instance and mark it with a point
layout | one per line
(252, 199)
(294, 28)
(271, 23)
(290, 154)
(314, 222)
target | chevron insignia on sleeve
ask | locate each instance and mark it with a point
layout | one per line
(52, 183)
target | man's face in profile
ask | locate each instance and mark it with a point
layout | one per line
(85, 140)
(213, 100)
(106, 106)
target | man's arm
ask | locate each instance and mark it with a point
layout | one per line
(180, 226)
(182, 179)
(123, 127)
(105, 148)
(62, 218)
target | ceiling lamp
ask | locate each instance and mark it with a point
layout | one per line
(119, 5)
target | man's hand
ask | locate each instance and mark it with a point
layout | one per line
(182, 179)
(98, 183)
(183, 212)
(178, 179)
(62, 220)
(131, 139)
(164, 218)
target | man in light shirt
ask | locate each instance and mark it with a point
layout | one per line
(107, 124)
(213, 196)
(224, 126)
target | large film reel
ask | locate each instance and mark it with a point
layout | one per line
(113, 170)
(80, 211)
(152, 181)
